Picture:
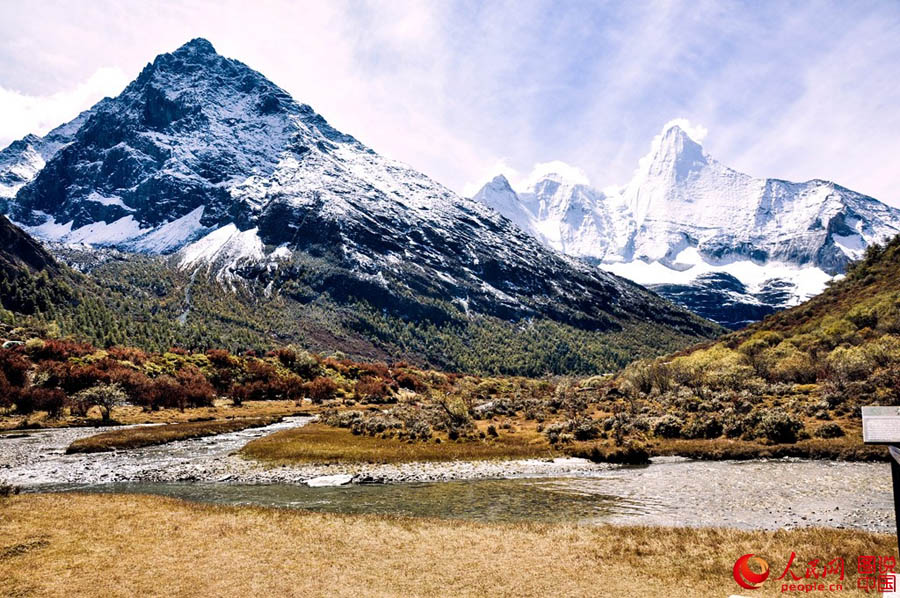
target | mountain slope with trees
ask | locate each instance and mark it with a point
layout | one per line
(799, 374)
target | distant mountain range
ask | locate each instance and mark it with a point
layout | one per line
(726, 245)
(202, 166)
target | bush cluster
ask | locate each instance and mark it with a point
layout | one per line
(55, 376)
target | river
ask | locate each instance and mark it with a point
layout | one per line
(760, 494)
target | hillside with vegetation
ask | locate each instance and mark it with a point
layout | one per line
(141, 301)
(109, 298)
(799, 376)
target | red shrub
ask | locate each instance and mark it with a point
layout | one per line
(72, 378)
(287, 356)
(289, 387)
(135, 384)
(51, 400)
(321, 389)
(196, 391)
(411, 382)
(135, 356)
(372, 390)
(8, 394)
(60, 350)
(338, 366)
(14, 367)
(375, 370)
(188, 388)
(221, 358)
(260, 371)
(164, 391)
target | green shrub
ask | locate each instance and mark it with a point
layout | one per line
(831, 430)
(703, 427)
(779, 427)
(668, 426)
(850, 363)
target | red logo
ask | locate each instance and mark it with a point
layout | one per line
(746, 577)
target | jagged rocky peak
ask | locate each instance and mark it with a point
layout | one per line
(676, 154)
(500, 183)
(684, 215)
(189, 127)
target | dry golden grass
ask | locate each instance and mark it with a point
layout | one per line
(848, 448)
(130, 438)
(318, 443)
(127, 545)
(221, 409)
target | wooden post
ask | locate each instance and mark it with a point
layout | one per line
(895, 478)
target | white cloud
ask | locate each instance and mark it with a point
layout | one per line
(21, 114)
(696, 132)
(554, 169)
(794, 91)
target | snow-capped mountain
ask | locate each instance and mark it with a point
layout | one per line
(204, 158)
(686, 221)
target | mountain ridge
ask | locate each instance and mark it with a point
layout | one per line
(205, 161)
(684, 214)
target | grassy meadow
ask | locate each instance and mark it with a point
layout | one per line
(72, 545)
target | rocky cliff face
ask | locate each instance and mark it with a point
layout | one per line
(19, 252)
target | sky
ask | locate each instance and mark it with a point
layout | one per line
(465, 90)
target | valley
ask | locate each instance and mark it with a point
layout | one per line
(243, 353)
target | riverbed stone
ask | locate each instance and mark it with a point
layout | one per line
(322, 481)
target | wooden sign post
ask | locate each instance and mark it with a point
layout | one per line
(881, 425)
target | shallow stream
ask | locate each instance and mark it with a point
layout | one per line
(766, 494)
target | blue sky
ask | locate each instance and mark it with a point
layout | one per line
(463, 90)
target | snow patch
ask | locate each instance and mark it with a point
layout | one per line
(854, 246)
(50, 230)
(172, 235)
(807, 280)
(226, 248)
(282, 252)
(108, 200)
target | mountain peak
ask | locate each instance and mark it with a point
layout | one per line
(500, 181)
(198, 45)
(675, 151)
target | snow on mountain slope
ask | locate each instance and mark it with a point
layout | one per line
(171, 235)
(203, 156)
(684, 215)
(499, 195)
(228, 247)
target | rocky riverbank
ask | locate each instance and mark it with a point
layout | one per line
(759, 494)
(37, 458)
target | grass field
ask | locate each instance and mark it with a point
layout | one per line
(129, 438)
(132, 414)
(849, 448)
(127, 545)
(318, 443)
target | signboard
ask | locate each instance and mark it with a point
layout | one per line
(881, 425)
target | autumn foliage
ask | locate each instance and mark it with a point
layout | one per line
(56, 375)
